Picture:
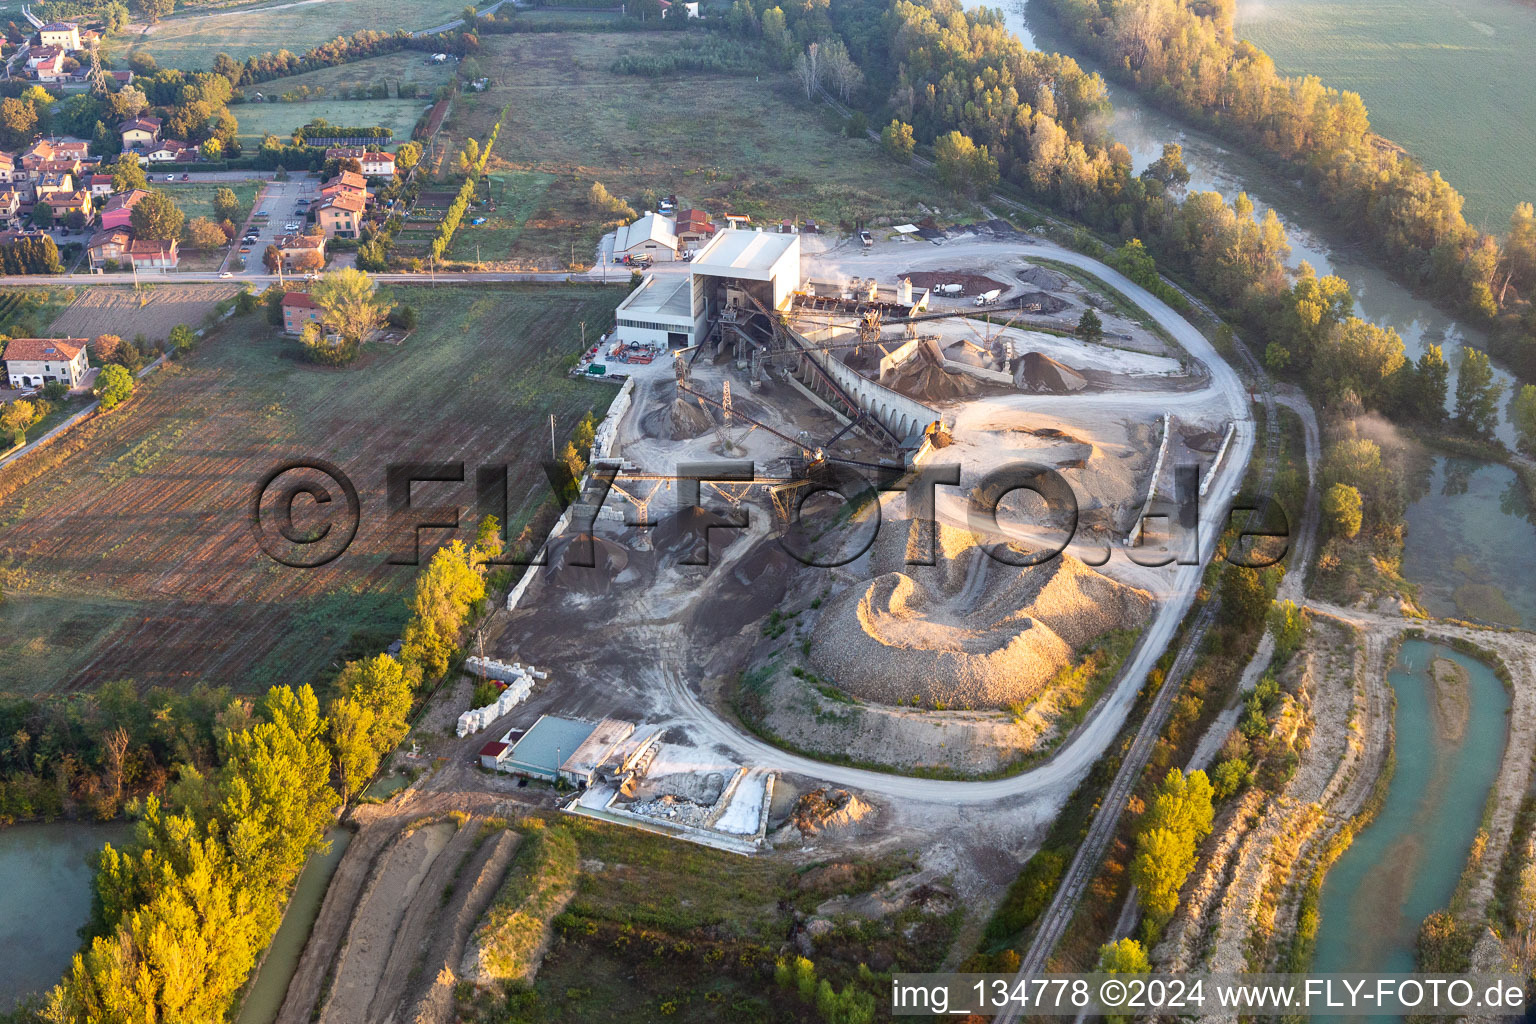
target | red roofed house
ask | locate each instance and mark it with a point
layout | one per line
(301, 252)
(153, 254)
(693, 228)
(340, 215)
(32, 362)
(66, 203)
(347, 183)
(109, 245)
(46, 63)
(493, 753)
(139, 132)
(374, 164)
(101, 185)
(10, 208)
(299, 309)
(118, 213)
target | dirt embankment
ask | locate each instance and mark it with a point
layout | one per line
(412, 886)
(1452, 705)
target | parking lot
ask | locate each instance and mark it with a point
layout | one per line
(280, 202)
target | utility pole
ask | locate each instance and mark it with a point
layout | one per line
(552, 454)
(583, 335)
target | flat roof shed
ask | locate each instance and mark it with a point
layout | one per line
(753, 256)
(583, 763)
(544, 747)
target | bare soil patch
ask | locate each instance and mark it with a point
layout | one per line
(151, 311)
(973, 284)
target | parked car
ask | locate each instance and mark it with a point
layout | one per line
(170, 177)
(226, 274)
(245, 248)
(186, 177)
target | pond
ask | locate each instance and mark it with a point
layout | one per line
(1404, 865)
(45, 897)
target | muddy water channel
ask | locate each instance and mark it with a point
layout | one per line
(45, 897)
(1450, 733)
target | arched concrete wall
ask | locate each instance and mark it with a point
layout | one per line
(895, 411)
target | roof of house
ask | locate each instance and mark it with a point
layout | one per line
(42, 54)
(152, 247)
(651, 228)
(120, 236)
(301, 242)
(344, 200)
(124, 200)
(78, 198)
(148, 124)
(300, 300)
(41, 349)
(348, 179)
(101, 179)
(59, 26)
(379, 157)
(495, 748)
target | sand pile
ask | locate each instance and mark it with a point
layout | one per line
(967, 632)
(827, 809)
(923, 377)
(688, 419)
(1041, 373)
(584, 563)
(681, 536)
(1043, 278)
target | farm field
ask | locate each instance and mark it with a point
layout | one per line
(517, 195)
(280, 119)
(152, 311)
(27, 312)
(702, 137)
(191, 42)
(126, 548)
(1451, 82)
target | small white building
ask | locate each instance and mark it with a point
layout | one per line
(33, 362)
(660, 312)
(652, 235)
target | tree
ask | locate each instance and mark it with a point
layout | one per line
(350, 305)
(1229, 776)
(841, 71)
(808, 69)
(42, 215)
(381, 685)
(1168, 170)
(157, 216)
(18, 120)
(1359, 356)
(1344, 510)
(1126, 956)
(128, 174)
(1244, 598)
(15, 418)
(182, 338)
(1089, 326)
(445, 593)
(113, 386)
(964, 167)
(1427, 387)
(226, 205)
(1477, 394)
(896, 139)
(1163, 860)
(1522, 413)
(205, 234)
(351, 735)
(272, 258)
(408, 155)
(154, 10)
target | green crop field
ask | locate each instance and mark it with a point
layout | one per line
(126, 548)
(741, 143)
(280, 119)
(389, 69)
(192, 41)
(518, 194)
(1451, 82)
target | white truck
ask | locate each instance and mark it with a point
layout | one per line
(951, 289)
(987, 298)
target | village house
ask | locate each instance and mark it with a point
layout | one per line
(340, 215)
(374, 164)
(33, 362)
(46, 63)
(100, 185)
(347, 183)
(55, 154)
(64, 35)
(139, 132)
(152, 254)
(118, 213)
(10, 208)
(52, 183)
(169, 151)
(109, 245)
(65, 203)
(299, 309)
(9, 169)
(301, 252)
(693, 229)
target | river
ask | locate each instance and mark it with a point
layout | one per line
(45, 898)
(1405, 864)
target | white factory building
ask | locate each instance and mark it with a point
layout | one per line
(674, 310)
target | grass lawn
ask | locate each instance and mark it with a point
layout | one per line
(721, 142)
(389, 69)
(399, 116)
(191, 42)
(27, 312)
(196, 199)
(126, 547)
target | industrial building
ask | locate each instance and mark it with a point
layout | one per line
(734, 268)
(559, 748)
